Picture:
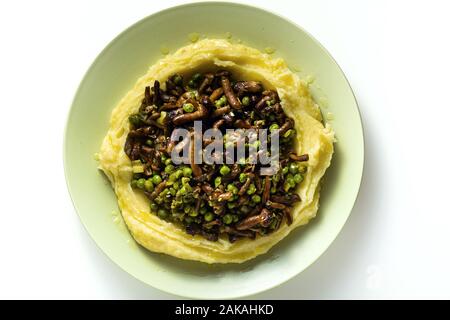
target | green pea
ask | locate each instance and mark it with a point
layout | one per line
(187, 209)
(302, 169)
(149, 142)
(244, 209)
(293, 167)
(285, 170)
(185, 181)
(298, 178)
(197, 77)
(245, 101)
(164, 193)
(290, 181)
(235, 218)
(140, 183)
(173, 177)
(188, 107)
(154, 207)
(273, 190)
(231, 205)
(133, 183)
(276, 178)
(163, 157)
(187, 172)
(227, 219)
(168, 161)
(221, 102)
(209, 216)
(217, 181)
(156, 179)
(203, 210)
(177, 79)
(224, 170)
(286, 187)
(232, 188)
(179, 173)
(135, 119)
(182, 190)
(169, 168)
(289, 133)
(274, 126)
(251, 189)
(192, 84)
(193, 213)
(148, 185)
(163, 213)
(256, 198)
(242, 177)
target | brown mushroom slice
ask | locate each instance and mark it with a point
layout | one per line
(263, 219)
(287, 199)
(225, 196)
(243, 124)
(231, 97)
(182, 99)
(129, 146)
(217, 124)
(207, 189)
(157, 100)
(242, 87)
(154, 116)
(201, 113)
(141, 132)
(266, 191)
(209, 77)
(169, 106)
(302, 158)
(196, 170)
(220, 112)
(246, 184)
(287, 214)
(240, 233)
(276, 205)
(258, 183)
(261, 103)
(158, 189)
(285, 127)
(216, 94)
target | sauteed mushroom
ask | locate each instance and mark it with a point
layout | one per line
(213, 200)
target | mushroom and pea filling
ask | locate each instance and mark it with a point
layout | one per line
(213, 199)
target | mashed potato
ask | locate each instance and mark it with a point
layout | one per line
(245, 63)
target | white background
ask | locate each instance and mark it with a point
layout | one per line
(395, 55)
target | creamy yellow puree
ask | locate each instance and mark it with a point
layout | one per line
(245, 63)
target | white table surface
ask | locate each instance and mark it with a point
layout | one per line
(395, 55)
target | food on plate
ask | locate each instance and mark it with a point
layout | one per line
(225, 212)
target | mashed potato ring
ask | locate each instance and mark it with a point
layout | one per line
(245, 63)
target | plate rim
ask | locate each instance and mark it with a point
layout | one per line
(194, 4)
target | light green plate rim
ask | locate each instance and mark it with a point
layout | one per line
(174, 281)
